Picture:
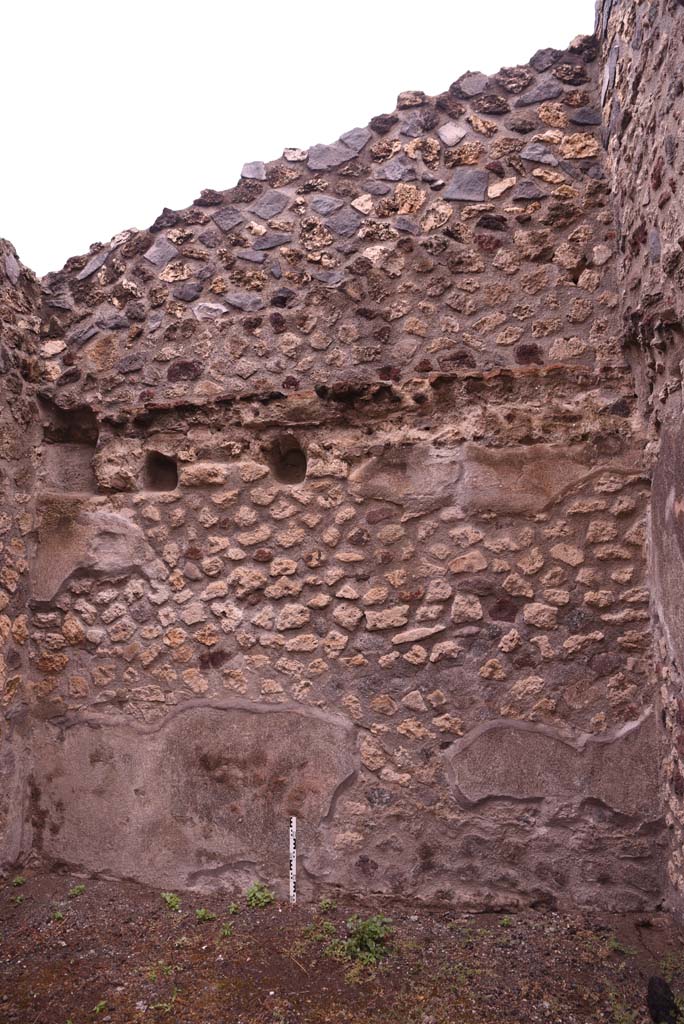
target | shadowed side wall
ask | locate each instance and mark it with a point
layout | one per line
(643, 108)
(19, 331)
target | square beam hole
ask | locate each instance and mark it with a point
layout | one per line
(161, 472)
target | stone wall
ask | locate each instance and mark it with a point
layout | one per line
(340, 511)
(643, 109)
(19, 335)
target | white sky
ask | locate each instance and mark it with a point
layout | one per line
(113, 109)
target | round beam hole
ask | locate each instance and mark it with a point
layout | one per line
(287, 460)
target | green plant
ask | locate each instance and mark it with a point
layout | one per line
(168, 1006)
(76, 890)
(18, 899)
(166, 969)
(19, 880)
(204, 915)
(258, 895)
(672, 965)
(233, 909)
(366, 940)
(326, 906)
(616, 946)
(100, 1007)
(621, 1014)
(506, 922)
(171, 900)
(320, 931)
(57, 915)
(226, 930)
(357, 973)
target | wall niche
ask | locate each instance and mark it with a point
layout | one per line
(287, 460)
(160, 472)
(69, 443)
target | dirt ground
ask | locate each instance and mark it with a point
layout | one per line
(79, 950)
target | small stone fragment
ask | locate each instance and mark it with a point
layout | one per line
(466, 608)
(467, 185)
(388, 618)
(255, 170)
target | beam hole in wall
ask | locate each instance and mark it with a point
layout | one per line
(69, 442)
(68, 426)
(287, 459)
(161, 472)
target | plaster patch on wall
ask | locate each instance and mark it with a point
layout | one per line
(202, 797)
(524, 761)
(72, 539)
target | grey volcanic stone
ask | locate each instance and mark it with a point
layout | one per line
(228, 218)
(93, 264)
(250, 256)
(451, 134)
(112, 321)
(403, 223)
(78, 337)
(468, 185)
(209, 310)
(585, 116)
(356, 139)
(330, 278)
(12, 268)
(545, 59)
(271, 240)
(161, 251)
(376, 188)
(472, 83)
(56, 300)
(539, 153)
(418, 123)
(539, 93)
(399, 168)
(345, 223)
(324, 158)
(270, 204)
(130, 364)
(255, 170)
(528, 190)
(188, 291)
(248, 302)
(610, 71)
(325, 205)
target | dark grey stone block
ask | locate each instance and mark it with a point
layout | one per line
(467, 185)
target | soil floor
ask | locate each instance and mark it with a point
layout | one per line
(88, 951)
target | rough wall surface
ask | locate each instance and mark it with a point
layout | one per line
(643, 46)
(19, 337)
(341, 512)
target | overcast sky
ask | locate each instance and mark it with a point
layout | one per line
(112, 110)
